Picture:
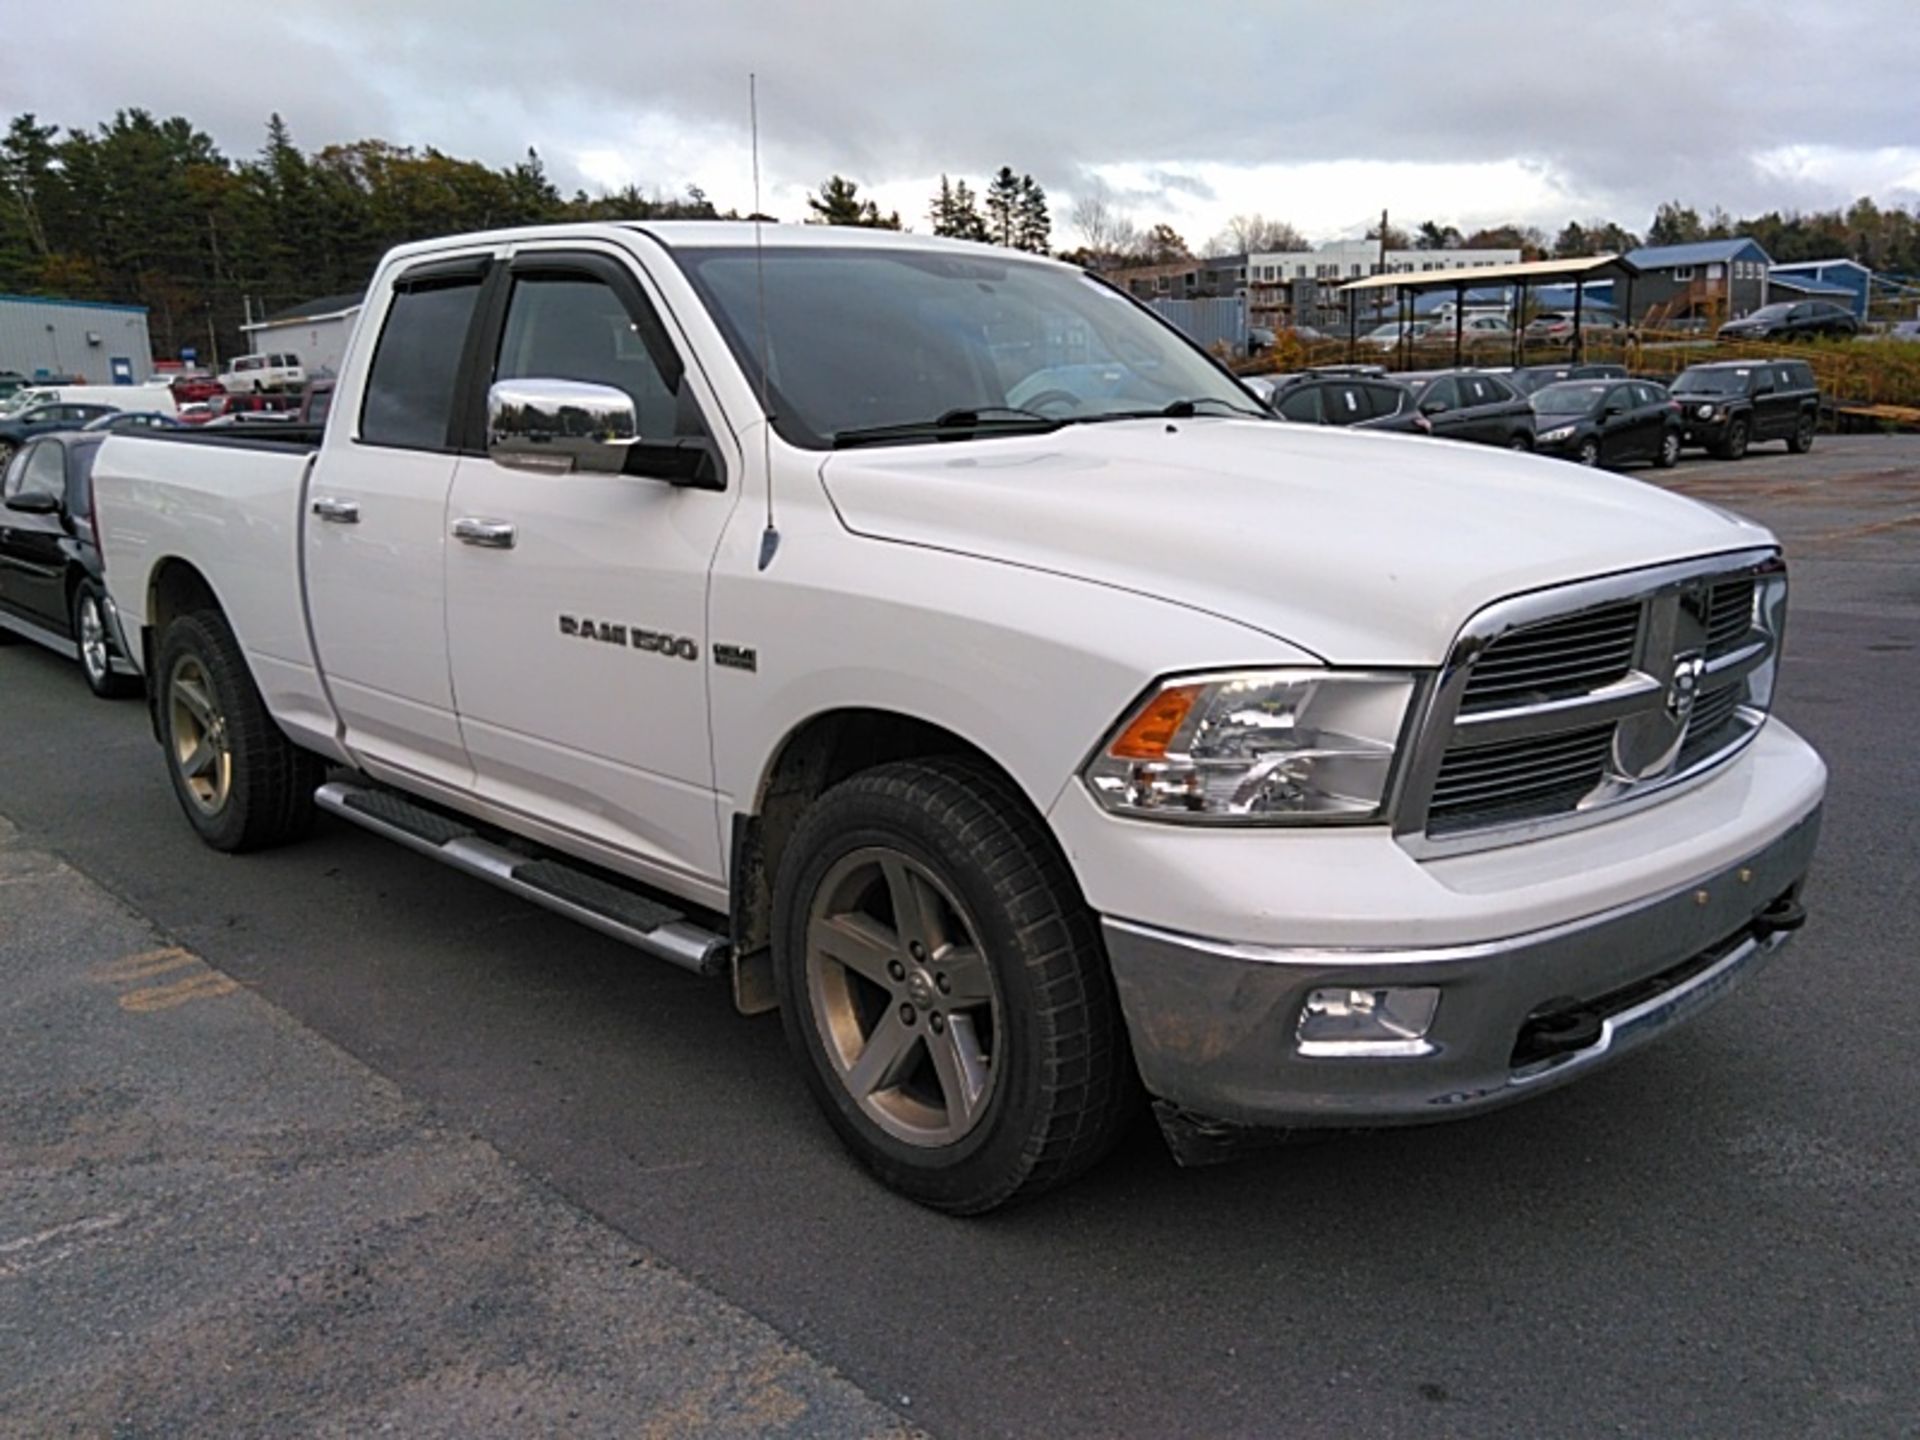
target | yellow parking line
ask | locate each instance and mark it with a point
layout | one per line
(145, 965)
(205, 986)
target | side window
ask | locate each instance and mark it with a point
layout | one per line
(409, 401)
(80, 480)
(1387, 399)
(46, 471)
(10, 483)
(1346, 404)
(1302, 404)
(1443, 394)
(572, 326)
(1496, 390)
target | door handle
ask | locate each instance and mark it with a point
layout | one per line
(488, 534)
(340, 512)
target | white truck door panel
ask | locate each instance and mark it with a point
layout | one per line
(580, 650)
(376, 534)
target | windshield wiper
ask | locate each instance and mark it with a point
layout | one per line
(960, 424)
(1176, 410)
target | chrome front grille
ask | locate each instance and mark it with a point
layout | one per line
(1555, 658)
(1557, 707)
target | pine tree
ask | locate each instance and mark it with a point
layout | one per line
(839, 203)
(1032, 227)
(1003, 207)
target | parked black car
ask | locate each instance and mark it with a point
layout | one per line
(1789, 321)
(1529, 378)
(52, 587)
(40, 419)
(1607, 422)
(1471, 405)
(1731, 404)
(1366, 402)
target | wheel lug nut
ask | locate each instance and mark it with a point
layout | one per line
(944, 983)
(896, 969)
(938, 1022)
(906, 1014)
(917, 950)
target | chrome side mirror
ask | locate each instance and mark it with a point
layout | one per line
(558, 427)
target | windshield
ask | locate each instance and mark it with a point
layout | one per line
(1713, 382)
(1770, 312)
(866, 341)
(1572, 399)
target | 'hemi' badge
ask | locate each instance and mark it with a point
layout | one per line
(736, 657)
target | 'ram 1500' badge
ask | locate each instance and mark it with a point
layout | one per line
(678, 646)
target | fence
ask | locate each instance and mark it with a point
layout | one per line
(1208, 322)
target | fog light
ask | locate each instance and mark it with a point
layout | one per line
(1368, 1022)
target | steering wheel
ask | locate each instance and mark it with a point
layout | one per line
(1066, 400)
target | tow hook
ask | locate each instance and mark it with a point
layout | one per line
(1783, 915)
(1558, 1027)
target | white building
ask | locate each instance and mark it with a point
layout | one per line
(317, 332)
(1339, 261)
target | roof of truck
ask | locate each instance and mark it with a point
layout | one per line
(715, 234)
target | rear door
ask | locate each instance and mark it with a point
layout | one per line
(1441, 403)
(375, 530)
(577, 621)
(1767, 404)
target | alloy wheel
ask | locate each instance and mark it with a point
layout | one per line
(904, 1000)
(200, 747)
(94, 654)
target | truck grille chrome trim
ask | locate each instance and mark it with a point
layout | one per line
(1563, 707)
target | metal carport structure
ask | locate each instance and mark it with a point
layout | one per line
(1579, 272)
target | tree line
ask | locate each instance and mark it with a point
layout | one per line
(150, 211)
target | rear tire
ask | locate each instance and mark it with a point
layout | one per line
(1004, 1067)
(1802, 439)
(241, 782)
(94, 637)
(1520, 441)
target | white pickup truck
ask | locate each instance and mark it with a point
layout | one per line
(932, 640)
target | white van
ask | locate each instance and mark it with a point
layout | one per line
(117, 397)
(251, 374)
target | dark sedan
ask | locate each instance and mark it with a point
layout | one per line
(52, 586)
(1471, 405)
(41, 419)
(1607, 422)
(1783, 321)
(1529, 378)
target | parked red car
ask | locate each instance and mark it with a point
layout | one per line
(222, 405)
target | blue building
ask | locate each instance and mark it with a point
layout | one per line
(1844, 282)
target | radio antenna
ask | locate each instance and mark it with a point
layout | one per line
(770, 537)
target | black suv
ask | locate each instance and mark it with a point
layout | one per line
(1471, 405)
(1731, 404)
(1364, 401)
(52, 587)
(1783, 321)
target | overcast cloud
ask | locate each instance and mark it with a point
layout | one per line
(1499, 110)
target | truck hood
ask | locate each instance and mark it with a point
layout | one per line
(1363, 549)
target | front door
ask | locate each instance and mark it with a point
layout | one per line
(375, 532)
(576, 608)
(33, 565)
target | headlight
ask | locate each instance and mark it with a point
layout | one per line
(1259, 747)
(1705, 412)
(1562, 432)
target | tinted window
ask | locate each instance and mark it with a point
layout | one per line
(1346, 404)
(80, 460)
(410, 388)
(1442, 392)
(318, 407)
(1568, 398)
(1303, 404)
(10, 485)
(1387, 399)
(1644, 395)
(1496, 389)
(573, 327)
(46, 471)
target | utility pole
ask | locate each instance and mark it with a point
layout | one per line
(1383, 242)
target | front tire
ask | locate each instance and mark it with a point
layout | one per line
(241, 782)
(1589, 453)
(1735, 445)
(1669, 455)
(944, 989)
(95, 641)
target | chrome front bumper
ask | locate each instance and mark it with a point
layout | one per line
(1214, 1025)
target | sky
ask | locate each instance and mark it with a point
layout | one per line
(1535, 111)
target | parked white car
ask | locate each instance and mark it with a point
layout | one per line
(250, 374)
(990, 686)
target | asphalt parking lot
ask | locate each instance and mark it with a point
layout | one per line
(412, 1152)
